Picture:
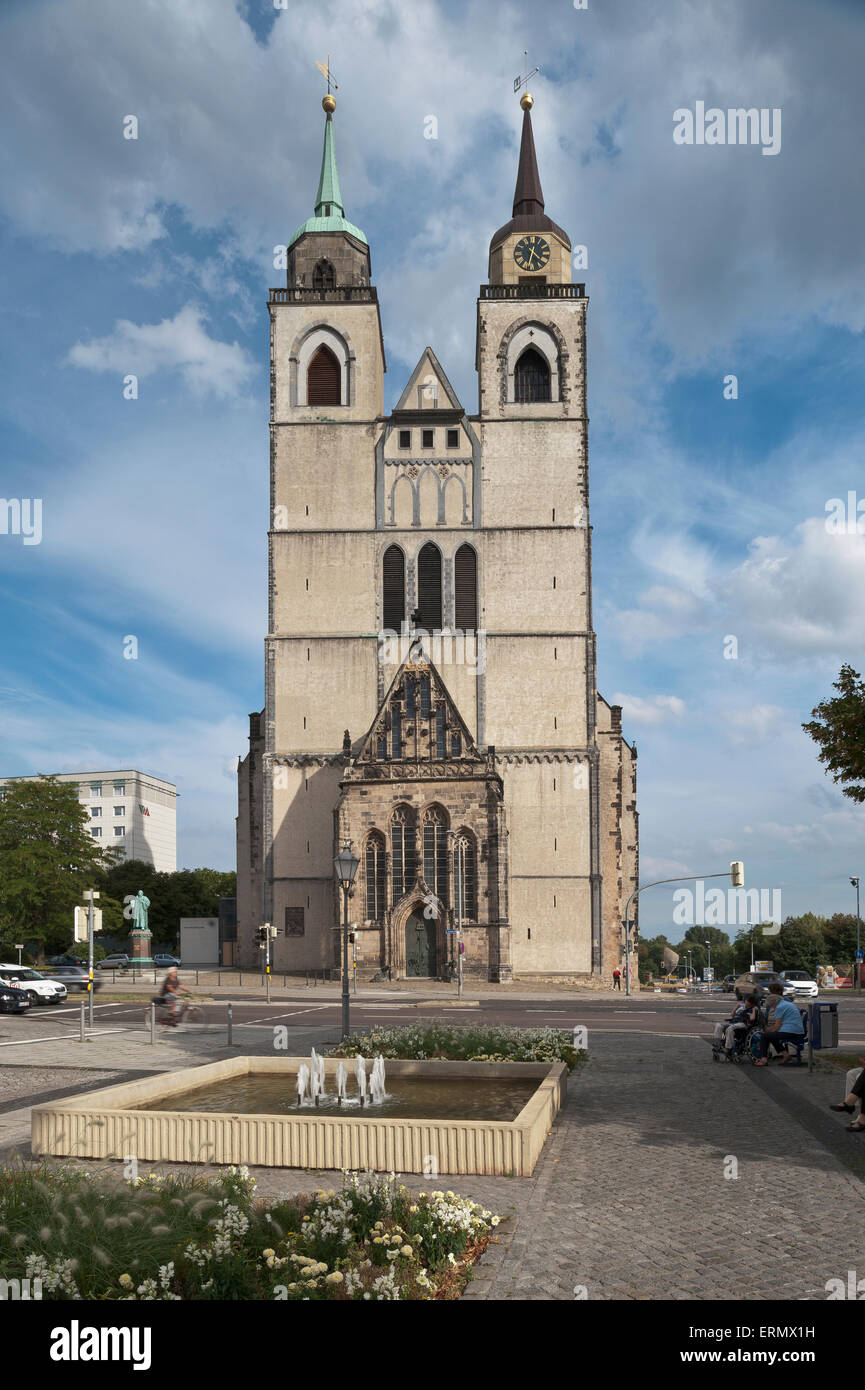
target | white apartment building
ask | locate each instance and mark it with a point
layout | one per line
(131, 811)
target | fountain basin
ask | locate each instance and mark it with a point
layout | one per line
(121, 1120)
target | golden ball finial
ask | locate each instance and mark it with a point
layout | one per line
(527, 101)
(329, 103)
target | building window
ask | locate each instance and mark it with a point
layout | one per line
(435, 853)
(119, 832)
(427, 439)
(393, 585)
(95, 788)
(119, 788)
(403, 855)
(396, 732)
(429, 586)
(532, 377)
(441, 732)
(375, 878)
(323, 385)
(96, 810)
(324, 276)
(456, 745)
(294, 921)
(425, 696)
(466, 589)
(453, 439)
(96, 832)
(381, 747)
(465, 877)
(120, 810)
(405, 439)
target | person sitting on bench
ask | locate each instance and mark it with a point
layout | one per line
(786, 1027)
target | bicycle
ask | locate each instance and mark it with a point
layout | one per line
(166, 1018)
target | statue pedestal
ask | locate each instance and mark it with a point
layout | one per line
(141, 952)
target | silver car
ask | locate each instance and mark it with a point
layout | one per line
(758, 981)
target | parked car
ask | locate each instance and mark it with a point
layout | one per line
(38, 988)
(165, 962)
(802, 982)
(12, 1001)
(65, 960)
(758, 982)
(729, 984)
(75, 978)
(118, 961)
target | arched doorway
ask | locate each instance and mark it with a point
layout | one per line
(420, 945)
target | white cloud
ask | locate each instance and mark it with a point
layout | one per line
(654, 710)
(181, 344)
(755, 723)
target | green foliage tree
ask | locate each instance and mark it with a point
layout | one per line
(722, 951)
(47, 859)
(838, 727)
(840, 940)
(800, 944)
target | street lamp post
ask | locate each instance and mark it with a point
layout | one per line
(345, 865)
(855, 883)
(708, 946)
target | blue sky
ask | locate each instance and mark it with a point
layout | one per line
(154, 257)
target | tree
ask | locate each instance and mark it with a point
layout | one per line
(838, 726)
(722, 952)
(184, 893)
(47, 859)
(840, 940)
(800, 944)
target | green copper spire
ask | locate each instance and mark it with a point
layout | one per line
(329, 210)
(328, 183)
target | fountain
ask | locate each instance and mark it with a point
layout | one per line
(302, 1082)
(376, 1084)
(466, 1117)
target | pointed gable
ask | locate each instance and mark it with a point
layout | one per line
(428, 387)
(418, 723)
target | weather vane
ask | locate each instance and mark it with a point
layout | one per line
(324, 69)
(524, 81)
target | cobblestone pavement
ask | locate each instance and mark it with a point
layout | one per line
(630, 1198)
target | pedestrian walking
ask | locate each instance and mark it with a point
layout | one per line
(617, 978)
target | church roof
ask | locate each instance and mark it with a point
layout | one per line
(528, 209)
(329, 209)
(428, 373)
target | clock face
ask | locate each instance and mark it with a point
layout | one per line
(532, 253)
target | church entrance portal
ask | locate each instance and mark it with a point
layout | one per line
(420, 945)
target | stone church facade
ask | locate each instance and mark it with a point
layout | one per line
(430, 663)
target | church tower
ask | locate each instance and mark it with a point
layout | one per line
(430, 660)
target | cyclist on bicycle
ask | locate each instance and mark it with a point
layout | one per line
(171, 992)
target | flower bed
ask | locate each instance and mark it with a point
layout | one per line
(179, 1238)
(421, 1041)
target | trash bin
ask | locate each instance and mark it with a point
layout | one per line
(824, 1025)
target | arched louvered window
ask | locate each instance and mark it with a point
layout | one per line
(403, 857)
(393, 584)
(465, 876)
(323, 276)
(466, 589)
(435, 853)
(429, 588)
(532, 377)
(375, 869)
(323, 384)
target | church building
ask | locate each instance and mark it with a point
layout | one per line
(430, 661)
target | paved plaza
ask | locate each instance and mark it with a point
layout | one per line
(666, 1177)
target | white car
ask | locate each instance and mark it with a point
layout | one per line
(801, 982)
(38, 989)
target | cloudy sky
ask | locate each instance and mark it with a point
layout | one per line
(153, 256)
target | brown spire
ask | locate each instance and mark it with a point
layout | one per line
(528, 195)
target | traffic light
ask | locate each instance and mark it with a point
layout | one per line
(737, 873)
(261, 934)
(351, 937)
(274, 931)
